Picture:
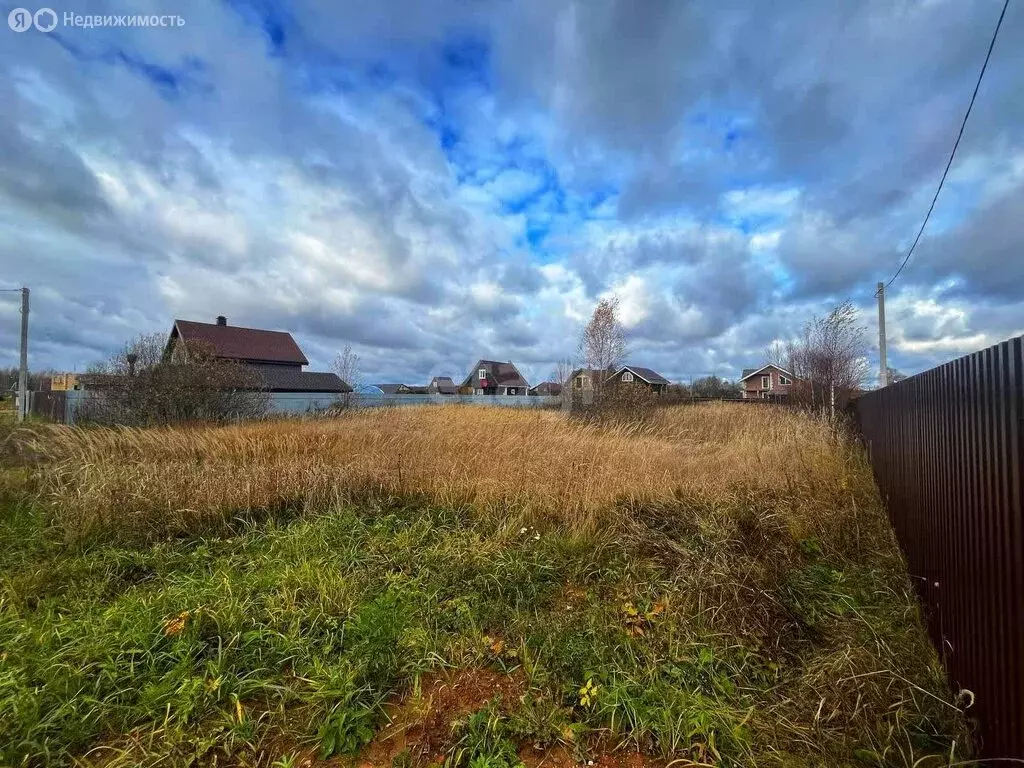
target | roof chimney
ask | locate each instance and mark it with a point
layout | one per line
(221, 320)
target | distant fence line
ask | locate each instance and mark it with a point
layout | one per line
(64, 406)
(947, 447)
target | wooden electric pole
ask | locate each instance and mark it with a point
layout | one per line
(883, 362)
(23, 368)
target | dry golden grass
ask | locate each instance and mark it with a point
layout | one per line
(761, 527)
(537, 463)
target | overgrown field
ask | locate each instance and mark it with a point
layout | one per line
(711, 585)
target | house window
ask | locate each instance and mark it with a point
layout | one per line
(764, 395)
(511, 390)
(785, 380)
(578, 382)
(627, 377)
(482, 373)
(766, 382)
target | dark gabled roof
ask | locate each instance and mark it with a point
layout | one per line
(230, 342)
(279, 378)
(748, 372)
(390, 389)
(648, 375)
(498, 375)
(547, 388)
(444, 385)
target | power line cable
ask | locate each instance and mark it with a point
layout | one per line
(952, 154)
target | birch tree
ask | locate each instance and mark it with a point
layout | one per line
(603, 343)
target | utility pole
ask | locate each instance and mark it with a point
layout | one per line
(883, 363)
(23, 369)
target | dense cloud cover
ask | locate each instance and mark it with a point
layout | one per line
(439, 182)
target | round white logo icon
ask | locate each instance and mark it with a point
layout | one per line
(19, 19)
(45, 19)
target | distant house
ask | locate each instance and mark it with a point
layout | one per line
(546, 388)
(394, 389)
(274, 355)
(490, 377)
(769, 382)
(442, 385)
(637, 376)
(586, 379)
(62, 382)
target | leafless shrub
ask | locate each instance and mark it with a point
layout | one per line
(618, 404)
(829, 359)
(348, 366)
(142, 386)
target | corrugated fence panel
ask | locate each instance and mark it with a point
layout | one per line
(947, 447)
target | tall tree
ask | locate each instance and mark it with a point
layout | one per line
(603, 343)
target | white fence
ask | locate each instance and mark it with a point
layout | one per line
(300, 403)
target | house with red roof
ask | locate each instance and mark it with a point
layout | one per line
(491, 377)
(274, 355)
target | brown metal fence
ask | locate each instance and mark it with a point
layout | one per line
(947, 447)
(48, 405)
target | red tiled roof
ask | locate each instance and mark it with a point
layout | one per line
(234, 343)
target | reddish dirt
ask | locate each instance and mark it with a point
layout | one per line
(422, 725)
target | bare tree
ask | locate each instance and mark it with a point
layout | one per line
(830, 358)
(603, 343)
(778, 354)
(348, 367)
(140, 355)
(562, 371)
(144, 385)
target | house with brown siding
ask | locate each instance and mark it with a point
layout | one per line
(273, 355)
(769, 382)
(634, 375)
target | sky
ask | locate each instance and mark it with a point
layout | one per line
(438, 182)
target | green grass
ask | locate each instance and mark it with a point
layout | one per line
(271, 639)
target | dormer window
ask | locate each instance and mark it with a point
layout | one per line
(482, 373)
